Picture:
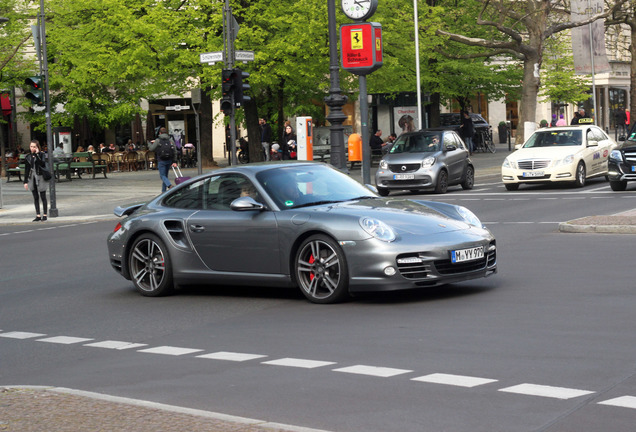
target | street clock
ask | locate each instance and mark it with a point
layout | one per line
(359, 10)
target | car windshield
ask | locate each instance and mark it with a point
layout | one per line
(419, 143)
(306, 185)
(561, 138)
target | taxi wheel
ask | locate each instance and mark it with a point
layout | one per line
(512, 186)
(580, 175)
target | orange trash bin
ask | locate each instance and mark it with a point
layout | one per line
(355, 147)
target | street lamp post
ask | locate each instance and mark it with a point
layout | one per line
(335, 101)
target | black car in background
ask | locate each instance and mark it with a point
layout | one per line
(483, 131)
(622, 162)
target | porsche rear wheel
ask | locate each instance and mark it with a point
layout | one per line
(321, 270)
(150, 267)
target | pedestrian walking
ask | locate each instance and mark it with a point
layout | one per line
(266, 137)
(467, 131)
(36, 178)
(620, 119)
(166, 153)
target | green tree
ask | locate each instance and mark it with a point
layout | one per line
(560, 83)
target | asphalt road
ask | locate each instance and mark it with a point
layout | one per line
(547, 344)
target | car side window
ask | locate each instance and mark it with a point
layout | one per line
(600, 135)
(449, 140)
(591, 137)
(190, 197)
(224, 189)
(458, 141)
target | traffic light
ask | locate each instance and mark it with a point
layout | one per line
(240, 87)
(36, 94)
(227, 88)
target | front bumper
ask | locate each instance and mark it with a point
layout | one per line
(425, 178)
(621, 171)
(565, 173)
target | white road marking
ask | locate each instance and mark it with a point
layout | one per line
(454, 380)
(21, 335)
(546, 391)
(623, 402)
(116, 345)
(170, 350)
(299, 363)
(64, 340)
(384, 372)
(231, 356)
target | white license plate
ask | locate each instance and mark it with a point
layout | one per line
(470, 254)
(533, 174)
(403, 176)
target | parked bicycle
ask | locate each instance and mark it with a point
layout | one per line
(483, 141)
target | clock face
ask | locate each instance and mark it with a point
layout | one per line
(359, 9)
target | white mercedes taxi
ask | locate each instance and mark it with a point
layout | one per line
(559, 154)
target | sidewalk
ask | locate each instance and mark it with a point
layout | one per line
(95, 199)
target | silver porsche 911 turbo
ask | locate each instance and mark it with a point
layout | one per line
(296, 224)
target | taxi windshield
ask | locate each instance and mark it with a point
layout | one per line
(562, 138)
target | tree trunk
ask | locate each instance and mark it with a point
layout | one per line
(530, 91)
(253, 131)
(206, 121)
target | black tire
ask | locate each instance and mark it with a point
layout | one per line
(618, 185)
(150, 266)
(243, 158)
(321, 271)
(469, 178)
(579, 175)
(383, 192)
(442, 182)
(512, 186)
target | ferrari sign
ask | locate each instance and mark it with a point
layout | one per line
(361, 45)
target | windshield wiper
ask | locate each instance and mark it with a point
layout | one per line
(314, 203)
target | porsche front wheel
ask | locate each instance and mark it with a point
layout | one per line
(321, 270)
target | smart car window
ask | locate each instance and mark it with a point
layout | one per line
(400, 144)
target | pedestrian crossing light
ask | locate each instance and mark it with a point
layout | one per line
(36, 93)
(240, 87)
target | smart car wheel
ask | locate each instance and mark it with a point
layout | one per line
(383, 192)
(469, 178)
(618, 185)
(321, 270)
(150, 267)
(442, 182)
(580, 175)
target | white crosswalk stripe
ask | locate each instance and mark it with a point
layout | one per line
(299, 363)
(170, 350)
(384, 372)
(21, 335)
(231, 356)
(546, 391)
(64, 340)
(454, 380)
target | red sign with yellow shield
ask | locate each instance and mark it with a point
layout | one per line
(361, 46)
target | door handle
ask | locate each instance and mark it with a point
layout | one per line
(197, 228)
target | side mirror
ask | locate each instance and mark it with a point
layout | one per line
(592, 143)
(450, 147)
(622, 138)
(246, 204)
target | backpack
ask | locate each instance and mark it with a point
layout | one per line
(164, 150)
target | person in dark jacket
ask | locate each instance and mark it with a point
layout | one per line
(376, 142)
(467, 131)
(34, 164)
(166, 153)
(289, 143)
(266, 137)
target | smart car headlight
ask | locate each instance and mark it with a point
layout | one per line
(377, 229)
(428, 162)
(469, 217)
(384, 164)
(616, 155)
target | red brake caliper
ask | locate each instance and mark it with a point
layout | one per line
(311, 261)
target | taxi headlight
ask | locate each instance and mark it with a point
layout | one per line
(384, 164)
(565, 161)
(377, 229)
(428, 162)
(616, 155)
(507, 163)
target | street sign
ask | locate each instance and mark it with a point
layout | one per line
(177, 107)
(211, 57)
(244, 56)
(361, 46)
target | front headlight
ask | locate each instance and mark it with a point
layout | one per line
(616, 155)
(469, 217)
(507, 163)
(565, 161)
(428, 162)
(384, 164)
(377, 229)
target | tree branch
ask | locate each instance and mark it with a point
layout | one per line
(10, 56)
